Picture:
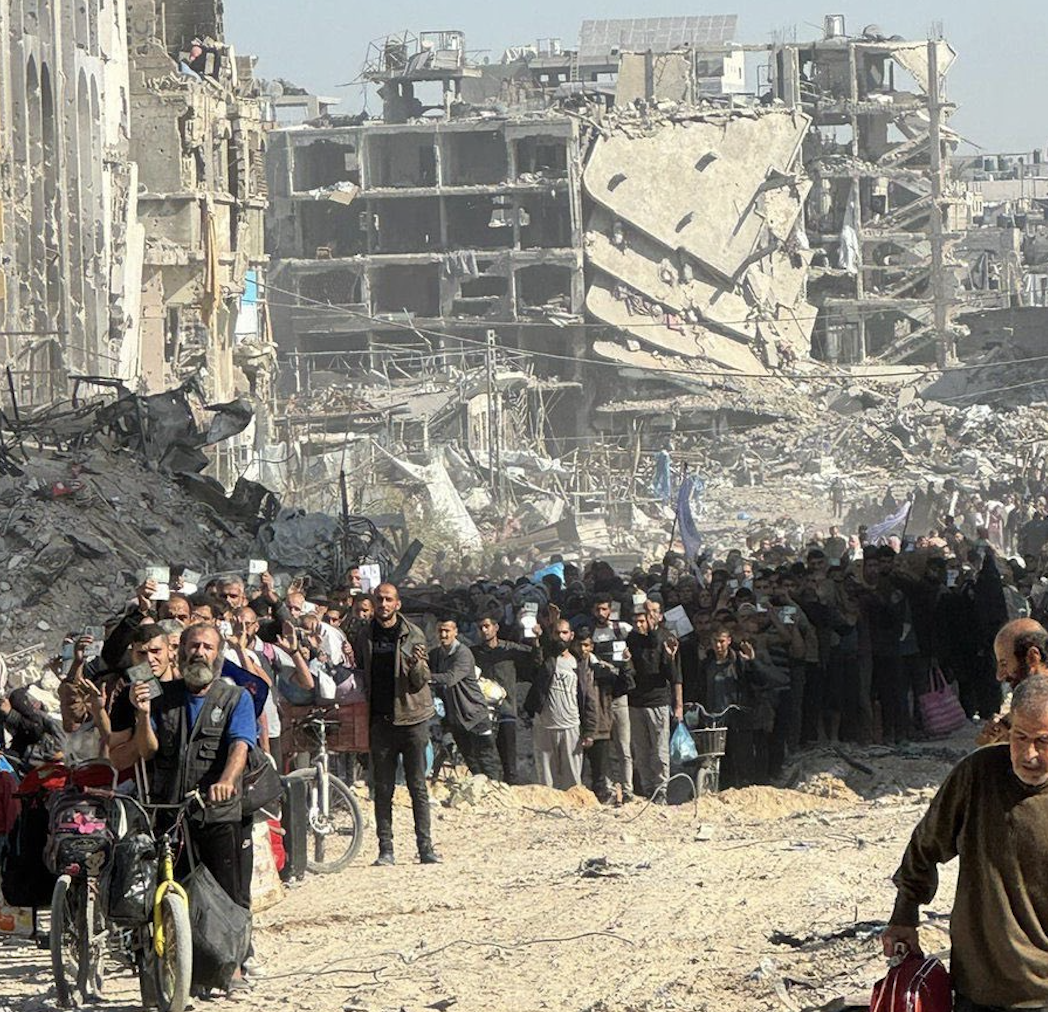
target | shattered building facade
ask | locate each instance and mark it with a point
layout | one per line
(70, 238)
(133, 190)
(541, 219)
(197, 138)
(883, 213)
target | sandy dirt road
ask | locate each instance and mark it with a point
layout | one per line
(678, 911)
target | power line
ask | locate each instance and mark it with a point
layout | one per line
(725, 374)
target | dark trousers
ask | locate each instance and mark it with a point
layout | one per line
(388, 744)
(598, 756)
(506, 743)
(891, 690)
(811, 716)
(478, 750)
(745, 760)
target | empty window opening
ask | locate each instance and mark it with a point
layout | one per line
(334, 288)
(406, 225)
(476, 158)
(401, 160)
(480, 297)
(539, 156)
(543, 285)
(336, 230)
(479, 223)
(416, 289)
(546, 222)
(325, 163)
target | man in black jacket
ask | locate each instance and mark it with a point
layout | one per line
(734, 677)
(657, 676)
(392, 653)
(504, 663)
(466, 711)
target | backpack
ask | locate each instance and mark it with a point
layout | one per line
(913, 984)
(80, 829)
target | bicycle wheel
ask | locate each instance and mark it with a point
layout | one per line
(336, 834)
(174, 967)
(66, 900)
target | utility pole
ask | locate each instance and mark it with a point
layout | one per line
(944, 351)
(494, 423)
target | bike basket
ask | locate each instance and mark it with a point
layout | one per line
(349, 734)
(710, 741)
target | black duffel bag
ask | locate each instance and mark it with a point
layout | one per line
(129, 881)
(221, 930)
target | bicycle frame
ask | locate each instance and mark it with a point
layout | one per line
(322, 764)
(166, 883)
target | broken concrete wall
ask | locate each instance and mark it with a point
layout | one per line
(473, 220)
(705, 262)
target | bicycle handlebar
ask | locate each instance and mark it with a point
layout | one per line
(730, 708)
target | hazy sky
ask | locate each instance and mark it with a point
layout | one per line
(1000, 81)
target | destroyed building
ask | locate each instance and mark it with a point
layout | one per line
(379, 228)
(197, 139)
(133, 196)
(883, 212)
(71, 245)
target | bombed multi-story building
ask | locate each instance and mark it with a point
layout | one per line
(197, 139)
(381, 229)
(70, 241)
(133, 190)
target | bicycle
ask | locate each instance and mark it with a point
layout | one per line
(166, 944)
(336, 824)
(79, 844)
(711, 743)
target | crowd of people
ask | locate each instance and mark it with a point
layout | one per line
(547, 671)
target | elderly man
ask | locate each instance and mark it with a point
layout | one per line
(992, 812)
(1021, 650)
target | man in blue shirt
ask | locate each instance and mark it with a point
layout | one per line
(196, 736)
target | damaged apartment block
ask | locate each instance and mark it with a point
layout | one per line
(134, 200)
(197, 139)
(68, 293)
(883, 215)
(462, 220)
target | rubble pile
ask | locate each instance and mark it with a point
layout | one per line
(76, 529)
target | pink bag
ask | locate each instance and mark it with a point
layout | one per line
(941, 710)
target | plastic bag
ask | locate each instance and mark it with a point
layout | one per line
(682, 747)
(941, 710)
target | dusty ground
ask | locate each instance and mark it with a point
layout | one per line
(683, 915)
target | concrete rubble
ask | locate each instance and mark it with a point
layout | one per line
(481, 313)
